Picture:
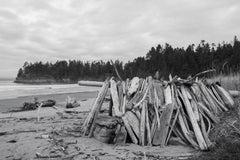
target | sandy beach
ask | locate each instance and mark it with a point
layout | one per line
(58, 134)
(7, 105)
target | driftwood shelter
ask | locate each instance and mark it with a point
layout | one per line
(150, 112)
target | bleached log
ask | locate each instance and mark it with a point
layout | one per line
(115, 98)
(90, 83)
(234, 93)
(88, 123)
(167, 95)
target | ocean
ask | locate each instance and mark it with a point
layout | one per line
(9, 89)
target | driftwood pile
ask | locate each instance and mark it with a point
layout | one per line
(153, 111)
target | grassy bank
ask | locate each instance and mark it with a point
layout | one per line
(230, 81)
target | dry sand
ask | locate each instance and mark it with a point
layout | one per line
(58, 134)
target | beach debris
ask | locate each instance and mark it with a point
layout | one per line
(12, 141)
(48, 103)
(29, 106)
(39, 155)
(153, 111)
(34, 105)
(2, 133)
(90, 83)
(72, 102)
(234, 93)
(38, 111)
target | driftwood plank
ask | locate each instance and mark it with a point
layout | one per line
(90, 120)
(193, 120)
(143, 125)
(149, 140)
(129, 130)
(115, 98)
(204, 132)
(165, 124)
(133, 122)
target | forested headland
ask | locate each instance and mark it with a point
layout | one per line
(224, 57)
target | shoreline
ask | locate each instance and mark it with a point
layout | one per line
(6, 105)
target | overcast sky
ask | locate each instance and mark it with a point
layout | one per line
(50, 30)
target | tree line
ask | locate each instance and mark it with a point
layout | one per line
(224, 57)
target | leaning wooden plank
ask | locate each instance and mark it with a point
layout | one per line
(178, 133)
(217, 95)
(195, 110)
(205, 135)
(142, 125)
(151, 90)
(153, 127)
(156, 104)
(144, 97)
(227, 98)
(149, 140)
(185, 132)
(167, 95)
(120, 95)
(172, 125)
(208, 122)
(124, 104)
(214, 107)
(216, 100)
(133, 122)
(165, 124)
(115, 98)
(133, 100)
(95, 108)
(196, 128)
(159, 90)
(177, 110)
(129, 130)
(208, 113)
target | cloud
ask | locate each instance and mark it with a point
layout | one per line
(50, 30)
